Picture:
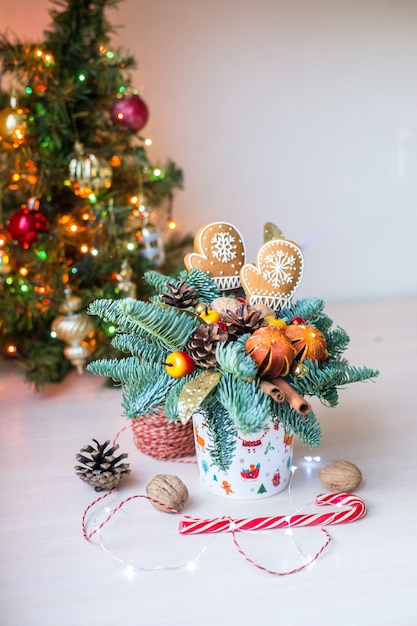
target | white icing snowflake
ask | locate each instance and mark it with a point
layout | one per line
(224, 248)
(279, 268)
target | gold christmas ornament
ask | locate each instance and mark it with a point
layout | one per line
(151, 245)
(88, 173)
(5, 266)
(340, 476)
(13, 124)
(124, 279)
(167, 491)
(73, 327)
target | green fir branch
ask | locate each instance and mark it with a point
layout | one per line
(206, 288)
(305, 427)
(232, 358)
(158, 281)
(137, 346)
(323, 380)
(222, 430)
(127, 370)
(248, 406)
(148, 394)
(310, 309)
(337, 341)
(167, 327)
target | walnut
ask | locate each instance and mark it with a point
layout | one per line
(167, 492)
(265, 310)
(224, 304)
(340, 476)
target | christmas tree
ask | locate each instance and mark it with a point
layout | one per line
(81, 205)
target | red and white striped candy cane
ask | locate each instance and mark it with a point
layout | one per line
(356, 509)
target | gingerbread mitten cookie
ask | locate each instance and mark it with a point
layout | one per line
(276, 274)
(219, 251)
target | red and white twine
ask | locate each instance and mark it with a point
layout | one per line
(356, 509)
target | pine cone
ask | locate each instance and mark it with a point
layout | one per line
(103, 470)
(181, 295)
(243, 320)
(202, 344)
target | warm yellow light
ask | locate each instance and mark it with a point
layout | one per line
(15, 177)
(18, 135)
(64, 219)
(2, 241)
(73, 228)
(38, 53)
(115, 160)
(23, 271)
(11, 349)
(172, 225)
(84, 248)
(148, 142)
(134, 200)
(86, 216)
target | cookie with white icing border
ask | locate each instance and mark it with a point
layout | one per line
(219, 251)
(276, 274)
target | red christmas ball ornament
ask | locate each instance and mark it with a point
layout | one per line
(130, 111)
(26, 224)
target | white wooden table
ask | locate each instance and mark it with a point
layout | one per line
(50, 575)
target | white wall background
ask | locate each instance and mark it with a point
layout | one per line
(299, 112)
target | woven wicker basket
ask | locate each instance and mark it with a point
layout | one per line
(156, 436)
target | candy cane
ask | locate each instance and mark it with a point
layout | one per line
(356, 510)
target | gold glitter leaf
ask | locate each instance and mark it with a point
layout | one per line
(272, 232)
(194, 392)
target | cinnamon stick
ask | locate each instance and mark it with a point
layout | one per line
(280, 390)
(272, 390)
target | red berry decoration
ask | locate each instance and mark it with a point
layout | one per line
(26, 224)
(297, 320)
(130, 111)
(222, 326)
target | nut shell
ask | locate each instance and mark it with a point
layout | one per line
(340, 476)
(223, 304)
(167, 492)
(263, 309)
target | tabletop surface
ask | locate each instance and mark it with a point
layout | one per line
(138, 569)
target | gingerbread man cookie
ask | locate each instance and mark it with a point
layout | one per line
(219, 251)
(276, 274)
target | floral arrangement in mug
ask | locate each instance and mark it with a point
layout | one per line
(224, 338)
